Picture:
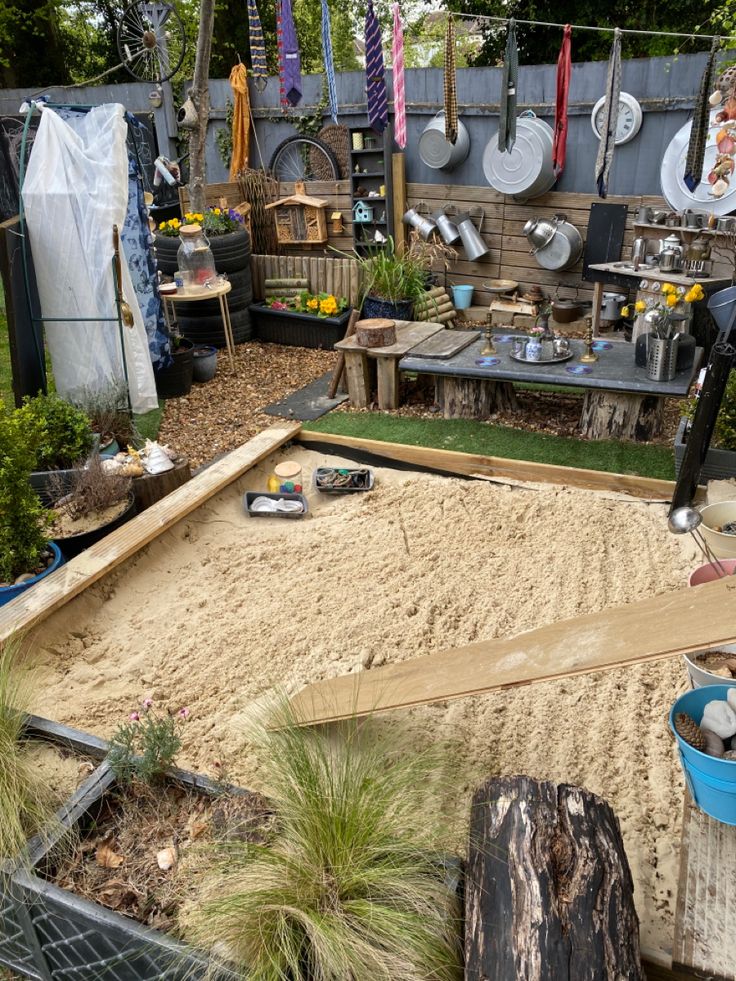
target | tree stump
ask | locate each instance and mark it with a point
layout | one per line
(621, 415)
(473, 398)
(548, 889)
(151, 487)
(375, 332)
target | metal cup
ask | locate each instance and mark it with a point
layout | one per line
(644, 215)
(725, 224)
(693, 219)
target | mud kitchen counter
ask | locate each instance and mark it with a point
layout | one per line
(620, 401)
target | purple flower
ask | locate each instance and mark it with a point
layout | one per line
(147, 703)
(184, 713)
(134, 717)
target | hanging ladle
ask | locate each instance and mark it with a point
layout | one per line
(126, 313)
(687, 521)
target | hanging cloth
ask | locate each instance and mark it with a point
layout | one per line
(241, 121)
(397, 62)
(290, 72)
(700, 124)
(564, 73)
(609, 122)
(450, 83)
(258, 67)
(329, 61)
(375, 75)
(507, 120)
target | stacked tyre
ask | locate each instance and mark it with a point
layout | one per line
(201, 322)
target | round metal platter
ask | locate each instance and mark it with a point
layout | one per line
(674, 190)
(557, 360)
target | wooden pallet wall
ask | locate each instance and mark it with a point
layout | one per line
(338, 276)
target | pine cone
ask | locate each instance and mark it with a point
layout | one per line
(689, 731)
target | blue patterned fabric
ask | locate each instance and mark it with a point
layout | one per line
(329, 60)
(374, 72)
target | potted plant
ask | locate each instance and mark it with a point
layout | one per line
(64, 435)
(316, 320)
(230, 245)
(26, 554)
(393, 280)
(87, 504)
(720, 460)
(110, 417)
(175, 380)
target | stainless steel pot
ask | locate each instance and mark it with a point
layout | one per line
(563, 250)
(611, 306)
(540, 232)
(437, 152)
(525, 171)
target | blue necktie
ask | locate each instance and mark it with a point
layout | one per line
(374, 72)
(258, 68)
(329, 62)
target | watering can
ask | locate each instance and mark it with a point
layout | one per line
(473, 242)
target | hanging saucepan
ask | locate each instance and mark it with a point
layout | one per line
(564, 249)
(437, 152)
(526, 170)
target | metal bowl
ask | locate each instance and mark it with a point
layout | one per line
(501, 285)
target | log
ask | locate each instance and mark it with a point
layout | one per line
(375, 332)
(151, 487)
(288, 291)
(548, 888)
(441, 318)
(340, 366)
(473, 398)
(301, 284)
(430, 312)
(621, 415)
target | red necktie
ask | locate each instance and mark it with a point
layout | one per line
(564, 72)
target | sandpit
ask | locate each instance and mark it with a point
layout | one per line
(223, 608)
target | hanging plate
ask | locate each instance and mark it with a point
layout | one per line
(527, 170)
(674, 190)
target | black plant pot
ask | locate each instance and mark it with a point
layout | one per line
(719, 464)
(297, 329)
(176, 380)
(75, 544)
(375, 307)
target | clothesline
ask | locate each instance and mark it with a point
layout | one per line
(589, 27)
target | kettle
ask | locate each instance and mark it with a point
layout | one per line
(671, 244)
(698, 251)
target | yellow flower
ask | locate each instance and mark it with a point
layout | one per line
(162, 226)
(199, 216)
(216, 211)
(624, 311)
(313, 303)
(672, 299)
(328, 306)
(668, 289)
(690, 296)
(640, 306)
(697, 292)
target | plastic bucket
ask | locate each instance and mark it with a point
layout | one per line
(715, 516)
(205, 363)
(8, 593)
(462, 297)
(698, 674)
(710, 572)
(710, 780)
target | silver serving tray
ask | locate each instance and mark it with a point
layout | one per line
(556, 360)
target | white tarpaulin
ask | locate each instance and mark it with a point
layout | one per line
(75, 190)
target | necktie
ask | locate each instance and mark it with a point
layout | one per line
(290, 74)
(701, 121)
(450, 83)
(329, 61)
(241, 121)
(507, 120)
(258, 68)
(374, 72)
(564, 72)
(609, 123)
(399, 86)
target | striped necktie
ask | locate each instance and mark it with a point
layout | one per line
(290, 73)
(450, 83)
(507, 118)
(399, 85)
(609, 120)
(329, 61)
(374, 72)
(258, 68)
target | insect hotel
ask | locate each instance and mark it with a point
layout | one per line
(300, 219)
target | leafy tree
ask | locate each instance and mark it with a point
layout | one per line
(31, 46)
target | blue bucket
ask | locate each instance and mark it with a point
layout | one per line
(8, 593)
(462, 296)
(710, 780)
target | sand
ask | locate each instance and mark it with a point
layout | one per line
(224, 607)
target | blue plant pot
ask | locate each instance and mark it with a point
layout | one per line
(205, 362)
(8, 593)
(374, 307)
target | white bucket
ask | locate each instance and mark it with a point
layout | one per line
(717, 515)
(698, 675)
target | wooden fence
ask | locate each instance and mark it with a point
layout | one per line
(338, 276)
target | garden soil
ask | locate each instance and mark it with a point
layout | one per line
(223, 608)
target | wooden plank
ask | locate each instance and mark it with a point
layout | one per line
(660, 626)
(398, 181)
(358, 377)
(388, 383)
(445, 343)
(706, 898)
(409, 333)
(71, 579)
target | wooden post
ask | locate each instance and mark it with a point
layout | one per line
(398, 175)
(340, 366)
(358, 373)
(200, 95)
(548, 889)
(597, 300)
(473, 398)
(621, 415)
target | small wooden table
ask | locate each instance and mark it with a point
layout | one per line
(358, 370)
(193, 294)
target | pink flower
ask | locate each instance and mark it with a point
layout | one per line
(184, 713)
(147, 703)
(134, 717)
(278, 305)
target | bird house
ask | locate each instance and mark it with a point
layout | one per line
(337, 226)
(362, 213)
(300, 219)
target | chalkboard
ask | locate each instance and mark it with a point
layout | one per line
(605, 235)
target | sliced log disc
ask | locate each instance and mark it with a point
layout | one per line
(375, 332)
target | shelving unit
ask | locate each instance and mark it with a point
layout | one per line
(374, 163)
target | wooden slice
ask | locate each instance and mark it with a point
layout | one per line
(375, 332)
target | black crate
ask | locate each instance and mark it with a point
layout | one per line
(297, 329)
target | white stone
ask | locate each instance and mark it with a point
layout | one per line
(157, 460)
(731, 698)
(719, 717)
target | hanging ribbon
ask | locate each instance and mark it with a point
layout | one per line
(290, 73)
(397, 62)
(374, 72)
(609, 121)
(564, 73)
(258, 68)
(507, 121)
(700, 124)
(241, 121)
(450, 83)
(329, 61)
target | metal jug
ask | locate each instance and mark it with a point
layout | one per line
(693, 219)
(639, 251)
(473, 242)
(446, 227)
(424, 225)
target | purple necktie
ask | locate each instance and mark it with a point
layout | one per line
(374, 72)
(289, 61)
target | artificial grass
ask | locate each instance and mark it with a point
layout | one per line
(469, 436)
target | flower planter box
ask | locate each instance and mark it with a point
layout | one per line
(297, 329)
(51, 933)
(719, 464)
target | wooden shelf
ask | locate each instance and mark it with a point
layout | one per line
(367, 149)
(669, 229)
(371, 173)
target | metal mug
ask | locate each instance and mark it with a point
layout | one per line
(446, 227)
(726, 225)
(561, 346)
(644, 215)
(693, 219)
(659, 217)
(639, 251)
(473, 242)
(673, 220)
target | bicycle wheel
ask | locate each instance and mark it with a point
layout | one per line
(304, 158)
(151, 41)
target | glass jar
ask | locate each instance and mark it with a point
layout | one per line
(195, 259)
(286, 478)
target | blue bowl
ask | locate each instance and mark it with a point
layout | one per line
(8, 593)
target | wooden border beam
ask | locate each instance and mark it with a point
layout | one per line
(657, 627)
(69, 580)
(500, 468)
